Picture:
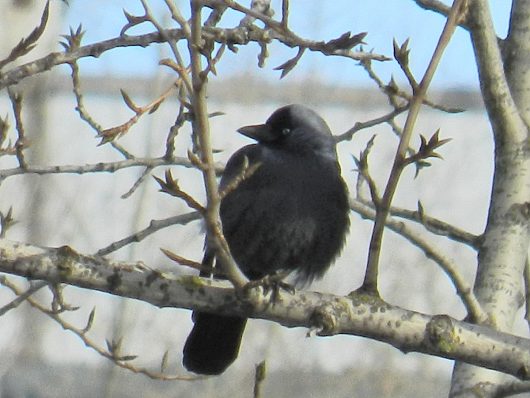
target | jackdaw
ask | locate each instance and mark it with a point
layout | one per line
(291, 214)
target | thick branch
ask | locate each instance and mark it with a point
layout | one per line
(503, 252)
(517, 52)
(502, 256)
(201, 129)
(356, 314)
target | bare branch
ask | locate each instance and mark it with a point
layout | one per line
(370, 281)
(394, 93)
(74, 41)
(6, 222)
(27, 44)
(108, 167)
(357, 314)
(109, 353)
(463, 288)
(441, 8)
(113, 133)
(437, 226)
(259, 375)
(166, 34)
(147, 172)
(201, 130)
(230, 37)
(171, 187)
(21, 142)
(21, 297)
(348, 135)
(154, 226)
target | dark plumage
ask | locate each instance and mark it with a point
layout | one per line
(290, 215)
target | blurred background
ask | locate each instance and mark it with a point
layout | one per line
(88, 212)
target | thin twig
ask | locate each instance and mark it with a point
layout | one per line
(6, 222)
(20, 297)
(154, 226)
(28, 43)
(285, 14)
(170, 186)
(175, 13)
(121, 361)
(84, 114)
(372, 269)
(108, 167)
(259, 377)
(220, 35)
(394, 93)
(110, 134)
(80, 107)
(146, 173)
(348, 135)
(440, 8)
(174, 130)
(277, 30)
(186, 262)
(20, 144)
(463, 288)
(438, 227)
(364, 173)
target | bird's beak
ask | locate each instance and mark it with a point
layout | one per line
(258, 132)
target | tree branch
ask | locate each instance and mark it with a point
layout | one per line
(201, 130)
(382, 210)
(154, 226)
(463, 288)
(108, 167)
(502, 256)
(234, 36)
(356, 314)
(123, 361)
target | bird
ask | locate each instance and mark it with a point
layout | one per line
(290, 215)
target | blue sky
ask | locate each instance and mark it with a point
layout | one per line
(322, 20)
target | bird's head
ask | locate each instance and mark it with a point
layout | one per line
(294, 128)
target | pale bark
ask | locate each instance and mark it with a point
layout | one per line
(501, 258)
(356, 314)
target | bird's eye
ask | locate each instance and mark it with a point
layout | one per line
(286, 131)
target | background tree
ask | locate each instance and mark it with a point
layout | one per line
(198, 38)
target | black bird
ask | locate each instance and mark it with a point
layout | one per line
(291, 214)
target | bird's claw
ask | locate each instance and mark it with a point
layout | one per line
(272, 284)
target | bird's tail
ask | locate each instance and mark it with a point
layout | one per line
(213, 344)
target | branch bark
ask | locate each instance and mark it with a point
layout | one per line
(356, 314)
(503, 252)
(233, 37)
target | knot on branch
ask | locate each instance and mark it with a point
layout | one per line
(325, 318)
(254, 296)
(324, 321)
(441, 334)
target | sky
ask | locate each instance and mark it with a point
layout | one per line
(384, 20)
